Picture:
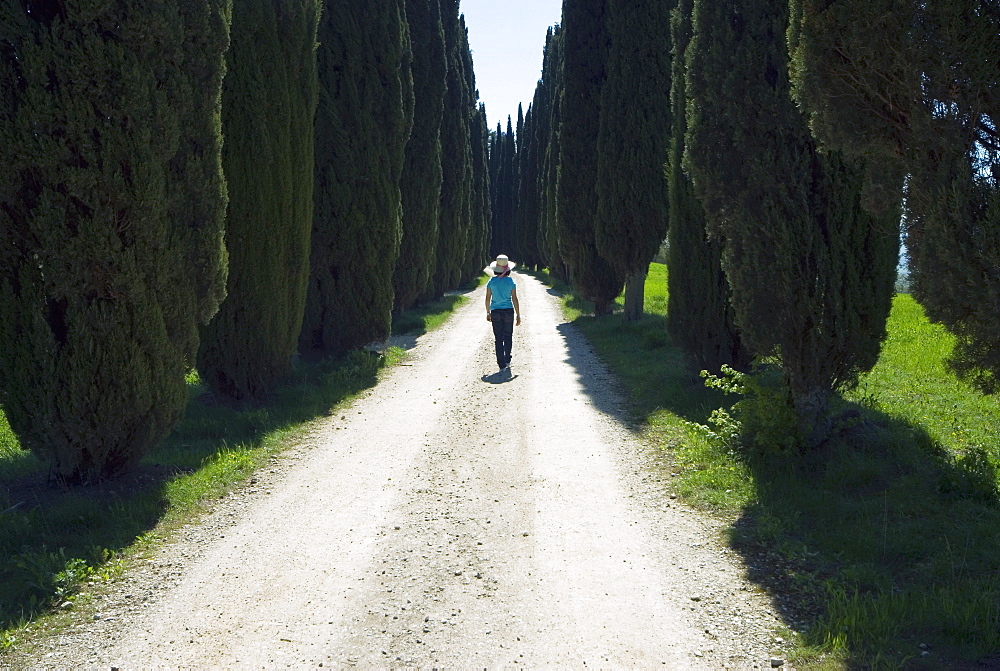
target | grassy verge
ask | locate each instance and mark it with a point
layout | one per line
(880, 549)
(429, 316)
(53, 541)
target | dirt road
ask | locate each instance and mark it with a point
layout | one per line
(453, 517)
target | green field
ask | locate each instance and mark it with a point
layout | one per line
(881, 547)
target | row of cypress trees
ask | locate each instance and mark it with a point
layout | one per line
(135, 243)
(585, 193)
(812, 273)
(112, 212)
(719, 125)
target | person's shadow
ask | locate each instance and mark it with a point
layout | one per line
(500, 376)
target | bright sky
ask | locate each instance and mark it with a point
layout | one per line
(507, 38)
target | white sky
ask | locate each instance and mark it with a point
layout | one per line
(507, 38)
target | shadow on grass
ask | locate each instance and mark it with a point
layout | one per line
(881, 546)
(422, 318)
(53, 539)
(653, 372)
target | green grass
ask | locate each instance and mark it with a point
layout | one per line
(54, 541)
(881, 541)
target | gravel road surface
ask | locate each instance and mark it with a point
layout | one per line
(452, 517)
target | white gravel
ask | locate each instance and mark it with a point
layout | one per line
(451, 518)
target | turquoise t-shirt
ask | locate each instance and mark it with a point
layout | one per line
(501, 288)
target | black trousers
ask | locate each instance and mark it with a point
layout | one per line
(503, 331)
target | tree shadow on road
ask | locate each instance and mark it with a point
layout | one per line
(650, 373)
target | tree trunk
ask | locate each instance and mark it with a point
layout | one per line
(635, 295)
(813, 410)
(603, 308)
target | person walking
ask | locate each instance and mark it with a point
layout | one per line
(502, 308)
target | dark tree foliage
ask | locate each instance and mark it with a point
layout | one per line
(363, 123)
(456, 187)
(915, 87)
(481, 213)
(534, 199)
(112, 208)
(526, 219)
(515, 171)
(585, 52)
(268, 108)
(811, 272)
(632, 144)
(479, 221)
(504, 194)
(699, 317)
(552, 81)
(420, 183)
(493, 161)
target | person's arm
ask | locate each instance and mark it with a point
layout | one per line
(517, 307)
(489, 297)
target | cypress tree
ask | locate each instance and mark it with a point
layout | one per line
(421, 179)
(362, 126)
(632, 144)
(526, 221)
(269, 105)
(541, 106)
(496, 148)
(548, 234)
(503, 221)
(481, 215)
(456, 161)
(515, 173)
(478, 223)
(111, 222)
(811, 273)
(585, 47)
(699, 317)
(917, 91)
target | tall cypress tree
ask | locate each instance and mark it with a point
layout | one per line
(495, 161)
(811, 273)
(503, 224)
(548, 234)
(421, 179)
(541, 106)
(632, 145)
(111, 222)
(699, 317)
(362, 126)
(481, 213)
(915, 87)
(456, 160)
(478, 224)
(526, 220)
(269, 105)
(515, 172)
(585, 45)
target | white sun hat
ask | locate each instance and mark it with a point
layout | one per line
(501, 266)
